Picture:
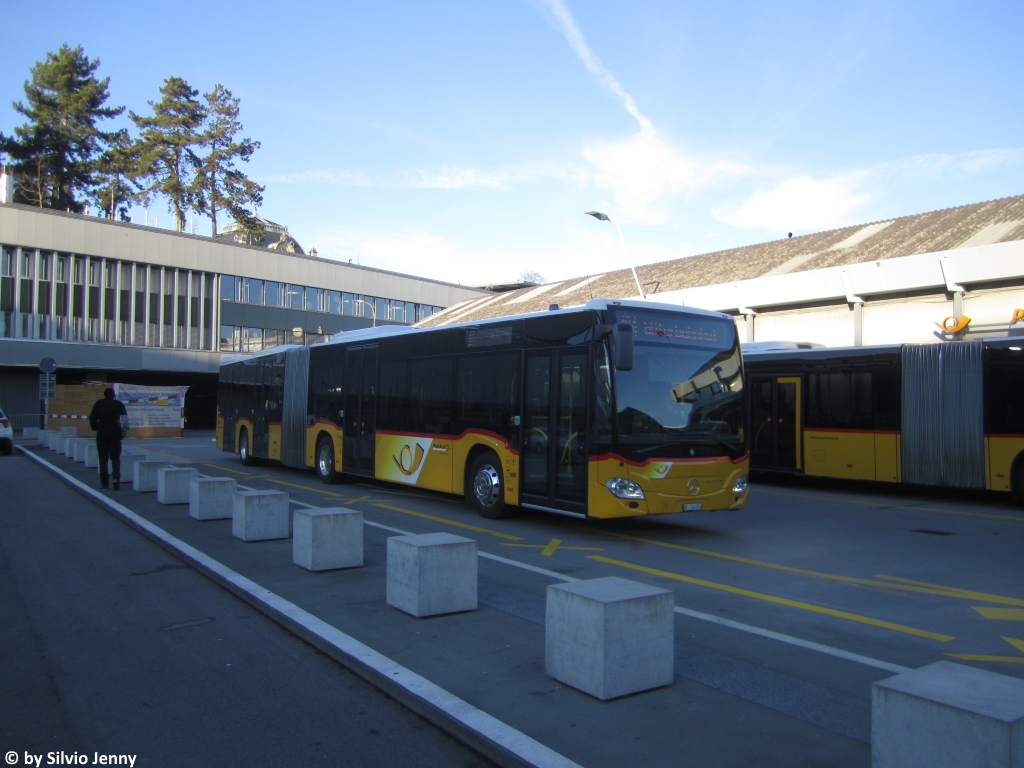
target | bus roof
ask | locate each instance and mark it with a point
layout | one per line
(593, 305)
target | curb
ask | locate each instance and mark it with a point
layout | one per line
(473, 727)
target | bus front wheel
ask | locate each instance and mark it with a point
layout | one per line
(243, 449)
(325, 460)
(486, 492)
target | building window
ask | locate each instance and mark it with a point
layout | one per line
(252, 339)
(293, 298)
(333, 302)
(229, 287)
(230, 336)
(273, 338)
(314, 300)
(252, 290)
(274, 294)
(348, 304)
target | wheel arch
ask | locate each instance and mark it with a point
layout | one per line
(471, 456)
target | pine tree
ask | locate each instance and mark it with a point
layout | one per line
(167, 160)
(54, 152)
(221, 186)
(248, 224)
(114, 171)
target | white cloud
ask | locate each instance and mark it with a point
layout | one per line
(798, 203)
(343, 178)
(641, 171)
(454, 178)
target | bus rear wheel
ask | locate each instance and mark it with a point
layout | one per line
(486, 491)
(243, 449)
(325, 460)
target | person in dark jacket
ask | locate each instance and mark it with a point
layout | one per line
(105, 420)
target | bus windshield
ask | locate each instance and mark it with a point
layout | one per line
(684, 396)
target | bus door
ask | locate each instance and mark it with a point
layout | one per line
(360, 414)
(554, 456)
(775, 422)
(260, 430)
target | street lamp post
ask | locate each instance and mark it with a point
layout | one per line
(604, 217)
(373, 308)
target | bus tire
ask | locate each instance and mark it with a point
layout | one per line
(244, 452)
(485, 487)
(325, 460)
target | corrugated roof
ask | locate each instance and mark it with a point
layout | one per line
(996, 221)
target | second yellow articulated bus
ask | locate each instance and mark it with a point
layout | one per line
(613, 409)
(948, 414)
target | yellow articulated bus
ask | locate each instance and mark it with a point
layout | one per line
(613, 409)
(949, 414)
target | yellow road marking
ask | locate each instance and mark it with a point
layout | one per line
(559, 547)
(966, 594)
(779, 600)
(1005, 614)
(353, 501)
(306, 488)
(904, 584)
(446, 521)
(549, 550)
(225, 469)
(1018, 644)
(908, 508)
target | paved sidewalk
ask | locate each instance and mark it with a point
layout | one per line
(112, 645)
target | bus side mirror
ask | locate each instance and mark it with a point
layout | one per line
(622, 346)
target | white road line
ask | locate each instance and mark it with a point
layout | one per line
(497, 739)
(771, 634)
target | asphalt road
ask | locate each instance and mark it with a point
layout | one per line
(787, 611)
(112, 645)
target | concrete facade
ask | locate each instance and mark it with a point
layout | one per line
(432, 574)
(172, 484)
(144, 475)
(326, 539)
(211, 498)
(947, 715)
(260, 515)
(609, 637)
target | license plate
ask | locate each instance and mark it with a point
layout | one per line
(693, 507)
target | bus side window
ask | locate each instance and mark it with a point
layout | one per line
(887, 396)
(488, 393)
(431, 395)
(393, 402)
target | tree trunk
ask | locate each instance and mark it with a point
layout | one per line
(213, 215)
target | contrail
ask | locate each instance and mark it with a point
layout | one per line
(562, 20)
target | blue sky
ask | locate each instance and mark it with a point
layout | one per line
(464, 140)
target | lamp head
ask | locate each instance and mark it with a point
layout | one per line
(597, 215)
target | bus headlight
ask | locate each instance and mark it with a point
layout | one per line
(741, 485)
(624, 489)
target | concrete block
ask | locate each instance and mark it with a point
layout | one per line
(172, 484)
(60, 442)
(210, 498)
(69, 446)
(128, 461)
(325, 539)
(51, 440)
(30, 434)
(947, 715)
(81, 447)
(260, 515)
(609, 637)
(69, 431)
(144, 475)
(431, 574)
(92, 455)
